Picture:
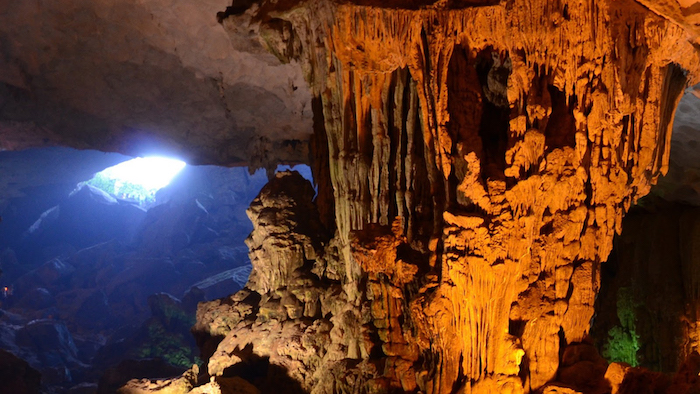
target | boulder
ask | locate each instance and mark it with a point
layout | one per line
(171, 227)
(50, 275)
(50, 340)
(84, 308)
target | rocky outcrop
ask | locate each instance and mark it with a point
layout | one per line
(277, 331)
(114, 378)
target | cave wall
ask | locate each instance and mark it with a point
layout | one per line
(474, 160)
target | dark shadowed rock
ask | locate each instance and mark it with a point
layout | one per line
(84, 309)
(116, 377)
(16, 376)
(50, 339)
(49, 275)
(36, 299)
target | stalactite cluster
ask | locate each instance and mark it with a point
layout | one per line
(481, 157)
(532, 127)
(538, 125)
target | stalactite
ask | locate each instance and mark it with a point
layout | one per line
(481, 160)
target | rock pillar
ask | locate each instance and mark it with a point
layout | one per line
(481, 155)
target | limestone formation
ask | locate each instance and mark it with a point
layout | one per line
(481, 156)
(473, 159)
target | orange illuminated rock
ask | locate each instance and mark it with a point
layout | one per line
(508, 140)
(481, 156)
(504, 143)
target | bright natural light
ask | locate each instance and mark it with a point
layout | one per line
(138, 179)
(149, 172)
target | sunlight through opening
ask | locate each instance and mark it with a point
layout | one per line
(138, 179)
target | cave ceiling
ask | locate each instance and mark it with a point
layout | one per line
(143, 76)
(167, 76)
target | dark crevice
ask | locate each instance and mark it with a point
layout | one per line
(395, 137)
(524, 368)
(427, 202)
(493, 71)
(461, 379)
(562, 343)
(561, 125)
(349, 126)
(465, 97)
(547, 229)
(516, 328)
(494, 136)
(320, 167)
(262, 374)
(624, 143)
(237, 8)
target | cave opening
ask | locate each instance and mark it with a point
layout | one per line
(104, 260)
(137, 180)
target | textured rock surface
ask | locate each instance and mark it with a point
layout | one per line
(115, 377)
(143, 76)
(481, 160)
(681, 183)
(474, 158)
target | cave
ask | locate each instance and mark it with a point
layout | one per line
(501, 196)
(102, 269)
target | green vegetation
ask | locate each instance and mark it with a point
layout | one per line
(103, 183)
(167, 335)
(122, 189)
(172, 347)
(623, 344)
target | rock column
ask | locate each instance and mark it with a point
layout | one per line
(481, 158)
